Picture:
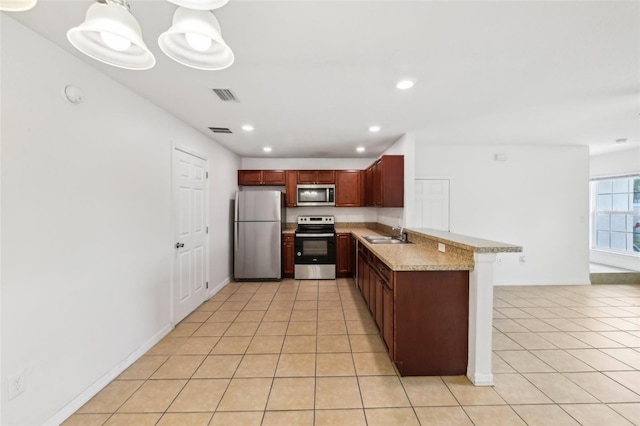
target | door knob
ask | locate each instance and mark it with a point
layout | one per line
(179, 245)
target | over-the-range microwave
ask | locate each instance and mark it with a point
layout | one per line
(316, 195)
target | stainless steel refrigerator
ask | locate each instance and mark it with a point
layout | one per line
(257, 235)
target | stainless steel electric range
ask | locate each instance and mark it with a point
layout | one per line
(315, 248)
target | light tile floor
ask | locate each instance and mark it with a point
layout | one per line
(307, 352)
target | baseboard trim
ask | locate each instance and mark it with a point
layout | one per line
(103, 381)
(499, 283)
(214, 290)
(480, 379)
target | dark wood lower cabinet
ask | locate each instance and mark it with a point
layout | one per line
(387, 318)
(344, 255)
(378, 301)
(423, 316)
(288, 255)
(432, 323)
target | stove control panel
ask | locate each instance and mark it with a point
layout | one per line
(316, 220)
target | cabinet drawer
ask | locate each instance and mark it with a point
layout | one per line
(288, 238)
(384, 271)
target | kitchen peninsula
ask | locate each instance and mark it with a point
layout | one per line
(433, 308)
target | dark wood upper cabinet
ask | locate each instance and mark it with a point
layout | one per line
(316, 176)
(385, 182)
(349, 188)
(261, 177)
(291, 183)
(249, 177)
(380, 185)
(368, 186)
(273, 177)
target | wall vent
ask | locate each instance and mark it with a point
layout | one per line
(225, 95)
(220, 129)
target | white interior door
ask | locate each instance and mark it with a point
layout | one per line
(432, 203)
(190, 245)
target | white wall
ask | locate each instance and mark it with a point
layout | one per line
(538, 199)
(86, 225)
(616, 163)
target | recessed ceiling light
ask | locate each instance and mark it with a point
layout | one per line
(360, 149)
(374, 129)
(247, 128)
(405, 84)
(267, 149)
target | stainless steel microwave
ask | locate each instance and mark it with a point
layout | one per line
(316, 195)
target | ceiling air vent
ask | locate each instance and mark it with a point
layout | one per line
(225, 95)
(220, 129)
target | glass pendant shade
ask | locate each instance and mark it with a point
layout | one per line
(111, 34)
(200, 4)
(17, 5)
(195, 40)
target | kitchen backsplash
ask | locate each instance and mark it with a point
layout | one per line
(342, 214)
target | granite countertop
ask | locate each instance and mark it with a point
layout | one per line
(413, 257)
(422, 255)
(477, 245)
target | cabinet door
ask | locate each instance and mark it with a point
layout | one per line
(376, 184)
(392, 181)
(352, 257)
(273, 177)
(366, 272)
(307, 176)
(368, 187)
(362, 264)
(291, 183)
(378, 303)
(372, 288)
(325, 176)
(316, 176)
(288, 254)
(343, 254)
(348, 188)
(387, 319)
(249, 177)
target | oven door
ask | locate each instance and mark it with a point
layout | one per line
(315, 249)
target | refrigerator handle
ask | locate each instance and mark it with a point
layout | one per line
(235, 236)
(237, 218)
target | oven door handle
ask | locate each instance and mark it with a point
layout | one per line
(315, 235)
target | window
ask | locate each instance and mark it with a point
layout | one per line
(616, 214)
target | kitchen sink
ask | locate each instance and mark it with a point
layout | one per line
(379, 239)
(371, 238)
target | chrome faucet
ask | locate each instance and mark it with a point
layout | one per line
(402, 236)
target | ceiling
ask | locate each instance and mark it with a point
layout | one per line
(313, 76)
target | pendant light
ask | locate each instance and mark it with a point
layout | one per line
(17, 5)
(111, 34)
(200, 4)
(195, 40)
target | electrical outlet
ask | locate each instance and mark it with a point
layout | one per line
(498, 260)
(17, 384)
(441, 247)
